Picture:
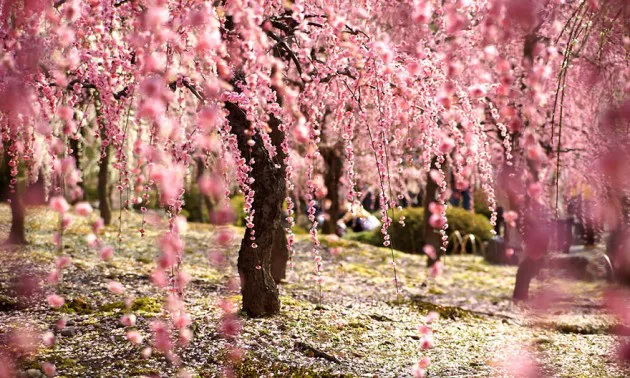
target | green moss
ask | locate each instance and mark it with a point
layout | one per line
(8, 303)
(147, 305)
(332, 242)
(361, 270)
(583, 329)
(254, 367)
(446, 312)
(78, 306)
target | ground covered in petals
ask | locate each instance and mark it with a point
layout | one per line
(355, 325)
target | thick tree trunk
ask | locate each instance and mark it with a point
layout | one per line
(279, 255)
(104, 205)
(334, 166)
(258, 288)
(431, 237)
(527, 270)
(17, 235)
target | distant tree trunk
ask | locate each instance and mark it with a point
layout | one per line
(5, 178)
(103, 187)
(204, 200)
(258, 288)
(334, 165)
(75, 145)
(17, 235)
(431, 237)
(104, 205)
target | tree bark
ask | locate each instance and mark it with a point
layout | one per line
(17, 235)
(258, 288)
(527, 270)
(76, 154)
(104, 205)
(431, 237)
(334, 166)
(279, 255)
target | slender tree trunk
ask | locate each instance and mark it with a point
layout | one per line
(5, 177)
(17, 235)
(104, 205)
(76, 154)
(334, 166)
(258, 288)
(103, 187)
(431, 237)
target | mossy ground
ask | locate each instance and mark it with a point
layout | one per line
(359, 319)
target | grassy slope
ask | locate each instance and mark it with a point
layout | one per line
(361, 320)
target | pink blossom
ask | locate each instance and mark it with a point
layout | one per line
(429, 250)
(91, 240)
(83, 209)
(185, 335)
(59, 204)
(424, 362)
(224, 236)
(146, 352)
(62, 262)
(436, 269)
(422, 12)
(55, 301)
(437, 221)
(98, 225)
(159, 278)
(48, 339)
(300, 133)
(510, 217)
(436, 176)
(426, 342)
(128, 320)
(431, 317)
(49, 369)
(161, 339)
(54, 276)
(106, 253)
(424, 330)
(535, 190)
(417, 372)
(134, 337)
(116, 287)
